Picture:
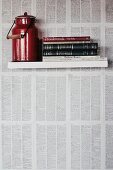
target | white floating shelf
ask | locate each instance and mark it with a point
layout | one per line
(66, 64)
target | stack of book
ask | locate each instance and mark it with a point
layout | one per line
(69, 48)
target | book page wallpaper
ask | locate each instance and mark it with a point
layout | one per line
(57, 119)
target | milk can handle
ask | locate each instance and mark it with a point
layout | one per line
(17, 36)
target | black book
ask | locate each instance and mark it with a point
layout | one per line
(70, 52)
(72, 46)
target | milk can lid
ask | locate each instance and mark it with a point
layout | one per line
(25, 16)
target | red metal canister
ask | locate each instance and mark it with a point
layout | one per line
(24, 39)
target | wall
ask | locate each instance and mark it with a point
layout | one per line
(57, 119)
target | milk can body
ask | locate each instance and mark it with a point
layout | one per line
(24, 39)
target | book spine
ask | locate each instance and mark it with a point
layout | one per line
(67, 42)
(70, 46)
(70, 58)
(52, 39)
(69, 53)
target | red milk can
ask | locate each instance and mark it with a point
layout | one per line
(24, 39)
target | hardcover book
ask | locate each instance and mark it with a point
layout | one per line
(70, 58)
(69, 52)
(62, 39)
(70, 46)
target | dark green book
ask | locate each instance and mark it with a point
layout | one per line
(79, 46)
(70, 52)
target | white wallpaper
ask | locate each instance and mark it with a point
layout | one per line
(61, 118)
